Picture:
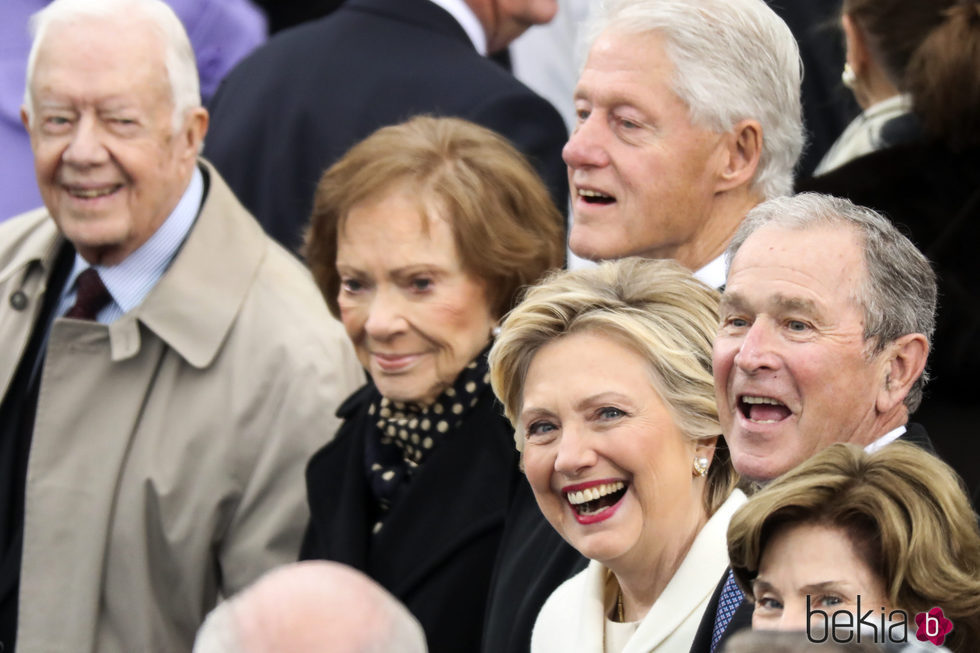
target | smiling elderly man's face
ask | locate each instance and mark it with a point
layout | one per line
(792, 370)
(109, 165)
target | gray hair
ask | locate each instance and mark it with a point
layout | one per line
(734, 60)
(178, 55)
(899, 291)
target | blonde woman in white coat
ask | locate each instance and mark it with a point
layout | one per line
(605, 374)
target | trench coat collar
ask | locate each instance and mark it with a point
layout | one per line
(39, 245)
(195, 304)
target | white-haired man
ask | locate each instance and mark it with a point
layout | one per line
(166, 368)
(688, 116)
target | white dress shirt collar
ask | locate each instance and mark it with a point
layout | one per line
(887, 438)
(713, 274)
(461, 11)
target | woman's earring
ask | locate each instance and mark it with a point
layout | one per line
(701, 466)
(848, 77)
(495, 331)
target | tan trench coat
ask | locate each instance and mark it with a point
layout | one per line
(166, 465)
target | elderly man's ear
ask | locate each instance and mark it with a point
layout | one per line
(743, 148)
(193, 131)
(902, 362)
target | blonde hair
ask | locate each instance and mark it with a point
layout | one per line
(906, 513)
(505, 225)
(655, 307)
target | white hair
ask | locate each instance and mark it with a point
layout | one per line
(734, 60)
(316, 605)
(178, 55)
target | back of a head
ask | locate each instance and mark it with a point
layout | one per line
(734, 60)
(310, 607)
(178, 54)
(931, 50)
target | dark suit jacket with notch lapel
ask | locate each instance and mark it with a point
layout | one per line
(436, 550)
(914, 434)
(298, 103)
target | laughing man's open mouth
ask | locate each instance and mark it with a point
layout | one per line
(762, 410)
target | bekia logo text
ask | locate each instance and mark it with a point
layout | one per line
(843, 626)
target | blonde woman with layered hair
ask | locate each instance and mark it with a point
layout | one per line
(605, 374)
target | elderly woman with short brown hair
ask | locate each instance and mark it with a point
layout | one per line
(420, 239)
(605, 374)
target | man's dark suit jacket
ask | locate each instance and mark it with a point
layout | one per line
(437, 547)
(914, 434)
(297, 104)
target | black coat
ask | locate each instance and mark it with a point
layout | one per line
(436, 550)
(532, 562)
(297, 104)
(933, 195)
(914, 434)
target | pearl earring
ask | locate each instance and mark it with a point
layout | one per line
(848, 77)
(701, 466)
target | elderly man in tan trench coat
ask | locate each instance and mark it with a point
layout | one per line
(152, 442)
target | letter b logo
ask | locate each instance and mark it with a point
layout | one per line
(810, 614)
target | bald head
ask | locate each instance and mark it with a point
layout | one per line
(303, 607)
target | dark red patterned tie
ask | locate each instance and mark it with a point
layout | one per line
(91, 298)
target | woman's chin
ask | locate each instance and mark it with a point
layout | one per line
(604, 542)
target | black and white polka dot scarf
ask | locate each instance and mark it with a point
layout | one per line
(404, 434)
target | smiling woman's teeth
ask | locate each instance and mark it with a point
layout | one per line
(593, 493)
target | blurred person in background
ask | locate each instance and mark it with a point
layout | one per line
(311, 607)
(294, 107)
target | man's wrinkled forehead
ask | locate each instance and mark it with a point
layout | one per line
(829, 255)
